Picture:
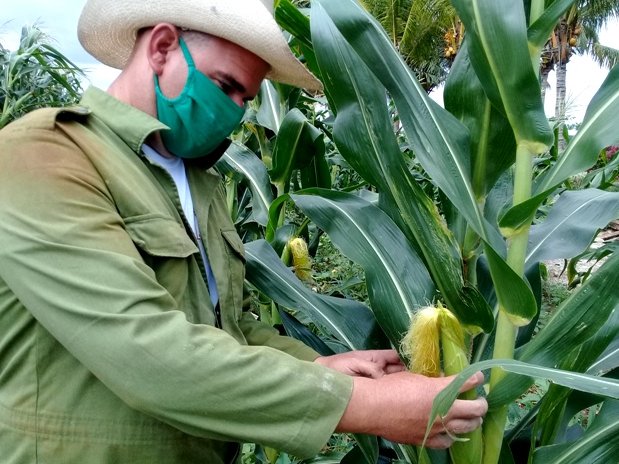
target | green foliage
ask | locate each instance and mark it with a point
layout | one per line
(496, 198)
(35, 75)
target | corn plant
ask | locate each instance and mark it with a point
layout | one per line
(34, 76)
(476, 246)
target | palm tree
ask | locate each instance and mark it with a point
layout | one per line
(577, 33)
(35, 75)
(427, 34)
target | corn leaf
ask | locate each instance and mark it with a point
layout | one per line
(271, 112)
(583, 382)
(599, 443)
(493, 147)
(499, 52)
(597, 131)
(297, 143)
(571, 224)
(439, 140)
(348, 321)
(577, 320)
(243, 162)
(364, 135)
(396, 276)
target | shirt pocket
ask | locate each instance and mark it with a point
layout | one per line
(160, 236)
(235, 244)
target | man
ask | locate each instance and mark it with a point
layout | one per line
(123, 338)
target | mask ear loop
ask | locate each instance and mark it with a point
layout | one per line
(190, 65)
(186, 53)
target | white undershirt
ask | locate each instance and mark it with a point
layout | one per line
(176, 168)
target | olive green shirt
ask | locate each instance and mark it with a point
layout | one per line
(110, 349)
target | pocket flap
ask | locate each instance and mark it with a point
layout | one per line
(160, 236)
(234, 242)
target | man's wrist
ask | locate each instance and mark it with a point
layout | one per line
(362, 415)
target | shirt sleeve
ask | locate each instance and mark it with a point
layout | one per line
(66, 256)
(260, 334)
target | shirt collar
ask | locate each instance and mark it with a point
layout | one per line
(130, 124)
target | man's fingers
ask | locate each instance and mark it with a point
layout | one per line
(439, 441)
(467, 409)
(461, 426)
(473, 381)
(393, 368)
(368, 369)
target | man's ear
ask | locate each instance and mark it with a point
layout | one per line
(162, 40)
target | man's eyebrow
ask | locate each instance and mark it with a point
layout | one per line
(231, 81)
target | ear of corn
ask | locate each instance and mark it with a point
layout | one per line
(301, 261)
(435, 331)
(454, 361)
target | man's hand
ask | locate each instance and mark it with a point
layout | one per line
(370, 363)
(397, 407)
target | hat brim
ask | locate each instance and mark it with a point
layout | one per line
(107, 29)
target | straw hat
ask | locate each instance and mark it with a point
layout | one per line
(107, 29)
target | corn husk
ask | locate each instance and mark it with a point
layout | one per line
(301, 261)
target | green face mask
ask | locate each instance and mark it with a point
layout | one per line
(200, 118)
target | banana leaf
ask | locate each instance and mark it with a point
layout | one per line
(350, 322)
(397, 279)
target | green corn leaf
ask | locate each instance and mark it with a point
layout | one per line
(348, 321)
(571, 224)
(297, 24)
(586, 383)
(439, 140)
(577, 320)
(364, 135)
(499, 52)
(599, 443)
(292, 20)
(397, 277)
(242, 161)
(317, 173)
(597, 131)
(493, 147)
(553, 418)
(297, 143)
(272, 111)
(521, 215)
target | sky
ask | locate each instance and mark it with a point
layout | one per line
(584, 77)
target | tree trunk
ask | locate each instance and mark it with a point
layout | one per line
(561, 70)
(545, 84)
